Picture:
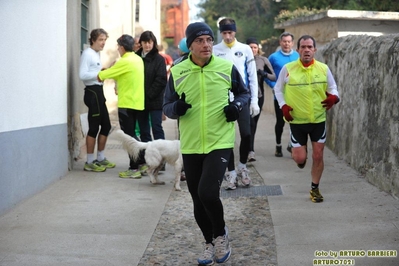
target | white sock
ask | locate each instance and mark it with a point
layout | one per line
(241, 165)
(233, 176)
(90, 158)
(100, 155)
(278, 145)
(233, 173)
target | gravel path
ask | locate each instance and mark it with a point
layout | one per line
(177, 239)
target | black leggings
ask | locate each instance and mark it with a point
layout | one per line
(204, 173)
(254, 122)
(245, 134)
(279, 127)
(127, 122)
(98, 113)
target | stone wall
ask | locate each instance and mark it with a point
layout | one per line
(364, 127)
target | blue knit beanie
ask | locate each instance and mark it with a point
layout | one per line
(196, 29)
(183, 46)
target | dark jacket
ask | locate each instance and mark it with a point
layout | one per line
(154, 79)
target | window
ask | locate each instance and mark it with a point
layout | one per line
(137, 15)
(156, 9)
(84, 24)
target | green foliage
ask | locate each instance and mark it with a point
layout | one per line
(256, 18)
(374, 5)
(312, 4)
(300, 12)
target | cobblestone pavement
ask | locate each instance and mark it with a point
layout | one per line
(177, 239)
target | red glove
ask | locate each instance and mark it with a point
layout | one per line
(286, 112)
(330, 101)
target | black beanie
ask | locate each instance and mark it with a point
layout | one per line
(252, 40)
(195, 30)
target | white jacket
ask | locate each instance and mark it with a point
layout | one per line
(242, 57)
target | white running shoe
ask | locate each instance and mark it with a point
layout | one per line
(207, 258)
(231, 178)
(251, 156)
(244, 173)
(222, 247)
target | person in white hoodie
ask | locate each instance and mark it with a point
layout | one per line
(243, 59)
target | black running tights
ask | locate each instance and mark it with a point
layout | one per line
(279, 127)
(204, 173)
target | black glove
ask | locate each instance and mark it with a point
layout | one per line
(232, 111)
(267, 69)
(262, 73)
(181, 106)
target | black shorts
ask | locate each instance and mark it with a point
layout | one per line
(94, 99)
(98, 112)
(300, 132)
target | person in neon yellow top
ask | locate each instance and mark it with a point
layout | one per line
(305, 90)
(207, 131)
(128, 72)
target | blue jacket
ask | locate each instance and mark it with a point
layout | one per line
(278, 60)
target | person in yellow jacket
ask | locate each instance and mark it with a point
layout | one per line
(305, 90)
(128, 72)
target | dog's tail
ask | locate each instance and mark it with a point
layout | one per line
(131, 145)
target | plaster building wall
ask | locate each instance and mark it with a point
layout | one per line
(42, 116)
(369, 27)
(76, 108)
(33, 110)
(75, 105)
(150, 17)
(323, 30)
(117, 18)
(331, 24)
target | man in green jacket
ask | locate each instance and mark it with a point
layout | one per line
(128, 72)
(197, 94)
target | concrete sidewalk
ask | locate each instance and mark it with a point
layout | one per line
(100, 219)
(87, 218)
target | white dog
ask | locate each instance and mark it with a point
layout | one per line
(157, 153)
